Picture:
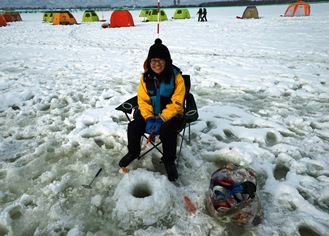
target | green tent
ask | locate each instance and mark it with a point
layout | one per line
(144, 13)
(181, 14)
(153, 15)
(48, 16)
(89, 16)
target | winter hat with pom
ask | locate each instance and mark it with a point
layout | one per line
(158, 50)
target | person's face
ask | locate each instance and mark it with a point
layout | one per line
(158, 65)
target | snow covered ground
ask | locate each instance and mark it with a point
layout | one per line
(261, 87)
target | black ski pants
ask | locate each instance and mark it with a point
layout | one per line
(168, 136)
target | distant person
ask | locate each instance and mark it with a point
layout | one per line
(204, 14)
(199, 13)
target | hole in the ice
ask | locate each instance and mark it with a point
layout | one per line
(3, 230)
(15, 213)
(99, 143)
(30, 203)
(280, 172)
(286, 94)
(219, 138)
(3, 174)
(141, 190)
(14, 107)
(305, 230)
(45, 107)
(229, 134)
(323, 203)
(271, 138)
(314, 125)
(304, 194)
(287, 134)
(210, 125)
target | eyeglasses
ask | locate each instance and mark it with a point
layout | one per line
(155, 61)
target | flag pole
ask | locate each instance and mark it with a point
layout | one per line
(158, 25)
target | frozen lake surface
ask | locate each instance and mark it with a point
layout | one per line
(261, 87)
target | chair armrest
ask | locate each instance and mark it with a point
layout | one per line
(128, 106)
(191, 111)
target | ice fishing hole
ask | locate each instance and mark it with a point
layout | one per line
(141, 190)
(3, 230)
(15, 212)
(271, 138)
(307, 231)
(280, 172)
(99, 143)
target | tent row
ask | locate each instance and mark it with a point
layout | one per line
(123, 18)
(66, 18)
(8, 16)
(152, 14)
(118, 18)
(299, 8)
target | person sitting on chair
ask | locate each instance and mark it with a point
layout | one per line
(160, 96)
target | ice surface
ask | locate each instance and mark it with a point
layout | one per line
(261, 87)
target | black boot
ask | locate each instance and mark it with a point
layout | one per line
(127, 159)
(171, 170)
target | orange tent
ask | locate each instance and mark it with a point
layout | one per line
(16, 16)
(121, 18)
(64, 18)
(2, 21)
(7, 16)
(299, 8)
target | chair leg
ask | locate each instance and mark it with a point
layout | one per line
(155, 146)
(181, 143)
(128, 117)
(189, 133)
(180, 146)
(150, 149)
(188, 140)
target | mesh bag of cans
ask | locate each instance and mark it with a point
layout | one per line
(232, 197)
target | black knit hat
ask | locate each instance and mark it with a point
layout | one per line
(158, 50)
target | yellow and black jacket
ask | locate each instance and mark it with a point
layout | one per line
(157, 98)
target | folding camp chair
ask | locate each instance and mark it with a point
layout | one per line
(130, 106)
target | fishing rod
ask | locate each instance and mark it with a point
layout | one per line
(88, 186)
